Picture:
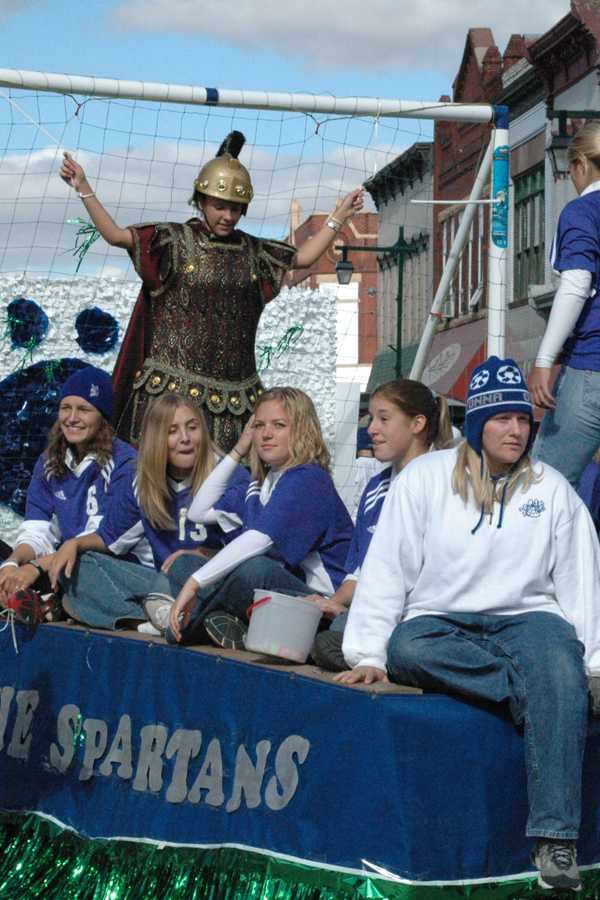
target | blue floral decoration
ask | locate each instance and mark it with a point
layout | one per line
(28, 407)
(97, 331)
(27, 323)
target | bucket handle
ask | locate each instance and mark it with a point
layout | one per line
(256, 603)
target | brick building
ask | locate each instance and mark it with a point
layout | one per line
(535, 77)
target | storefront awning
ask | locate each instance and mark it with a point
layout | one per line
(453, 356)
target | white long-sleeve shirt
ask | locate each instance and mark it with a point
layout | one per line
(423, 559)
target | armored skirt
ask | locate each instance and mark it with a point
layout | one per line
(194, 324)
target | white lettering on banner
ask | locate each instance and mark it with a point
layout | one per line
(155, 760)
(20, 742)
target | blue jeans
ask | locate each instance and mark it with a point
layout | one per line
(234, 593)
(103, 590)
(570, 434)
(535, 662)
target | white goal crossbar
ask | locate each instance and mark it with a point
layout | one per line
(275, 100)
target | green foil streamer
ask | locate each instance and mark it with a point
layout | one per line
(11, 321)
(87, 231)
(39, 859)
(50, 370)
(268, 353)
(29, 346)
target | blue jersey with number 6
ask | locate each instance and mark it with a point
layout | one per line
(61, 508)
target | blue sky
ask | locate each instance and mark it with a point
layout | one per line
(389, 48)
(142, 163)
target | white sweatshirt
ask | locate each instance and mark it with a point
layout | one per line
(423, 559)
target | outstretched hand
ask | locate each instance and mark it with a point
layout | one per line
(72, 173)
(351, 204)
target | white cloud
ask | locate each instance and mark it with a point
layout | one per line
(378, 35)
(154, 183)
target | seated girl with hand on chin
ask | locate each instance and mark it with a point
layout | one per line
(295, 527)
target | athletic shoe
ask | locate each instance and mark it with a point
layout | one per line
(158, 609)
(327, 653)
(557, 862)
(148, 628)
(26, 606)
(225, 630)
(52, 608)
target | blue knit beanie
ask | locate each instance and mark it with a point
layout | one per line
(93, 385)
(497, 386)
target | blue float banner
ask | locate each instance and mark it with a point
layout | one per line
(118, 737)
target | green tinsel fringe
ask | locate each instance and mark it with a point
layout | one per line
(39, 859)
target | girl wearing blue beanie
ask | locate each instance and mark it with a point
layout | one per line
(483, 580)
(71, 483)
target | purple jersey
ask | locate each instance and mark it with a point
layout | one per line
(305, 518)
(577, 246)
(589, 490)
(126, 522)
(367, 517)
(61, 508)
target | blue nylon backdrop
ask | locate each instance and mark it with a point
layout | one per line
(429, 787)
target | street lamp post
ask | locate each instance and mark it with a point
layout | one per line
(397, 251)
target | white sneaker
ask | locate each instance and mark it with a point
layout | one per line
(148, 628)
(158, 610)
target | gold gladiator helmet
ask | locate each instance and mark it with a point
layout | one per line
(225, 177)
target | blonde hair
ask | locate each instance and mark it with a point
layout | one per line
(471, 474)
(101, 445)
(306, 439)
(586, 145)
(153, 458)
(414, 398)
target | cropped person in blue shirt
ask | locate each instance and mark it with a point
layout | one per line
(407, 420)
(176, 455)
(570, 431)
(295, 527)
(83, 465)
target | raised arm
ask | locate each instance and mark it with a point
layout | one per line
(113, 234)
(215, 485)
(310, 251)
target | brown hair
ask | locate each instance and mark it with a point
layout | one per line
(414, 398)
(101, 444)
(307, 444)
(153, 458)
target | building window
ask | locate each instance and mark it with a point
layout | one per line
(529, 231)
(466, 293)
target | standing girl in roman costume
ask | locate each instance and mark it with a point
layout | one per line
(570, 431)
(483, 579)
(204, 286)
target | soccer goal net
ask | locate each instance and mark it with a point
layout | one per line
(141, 146)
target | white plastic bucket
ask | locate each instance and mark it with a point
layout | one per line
(281, 625)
